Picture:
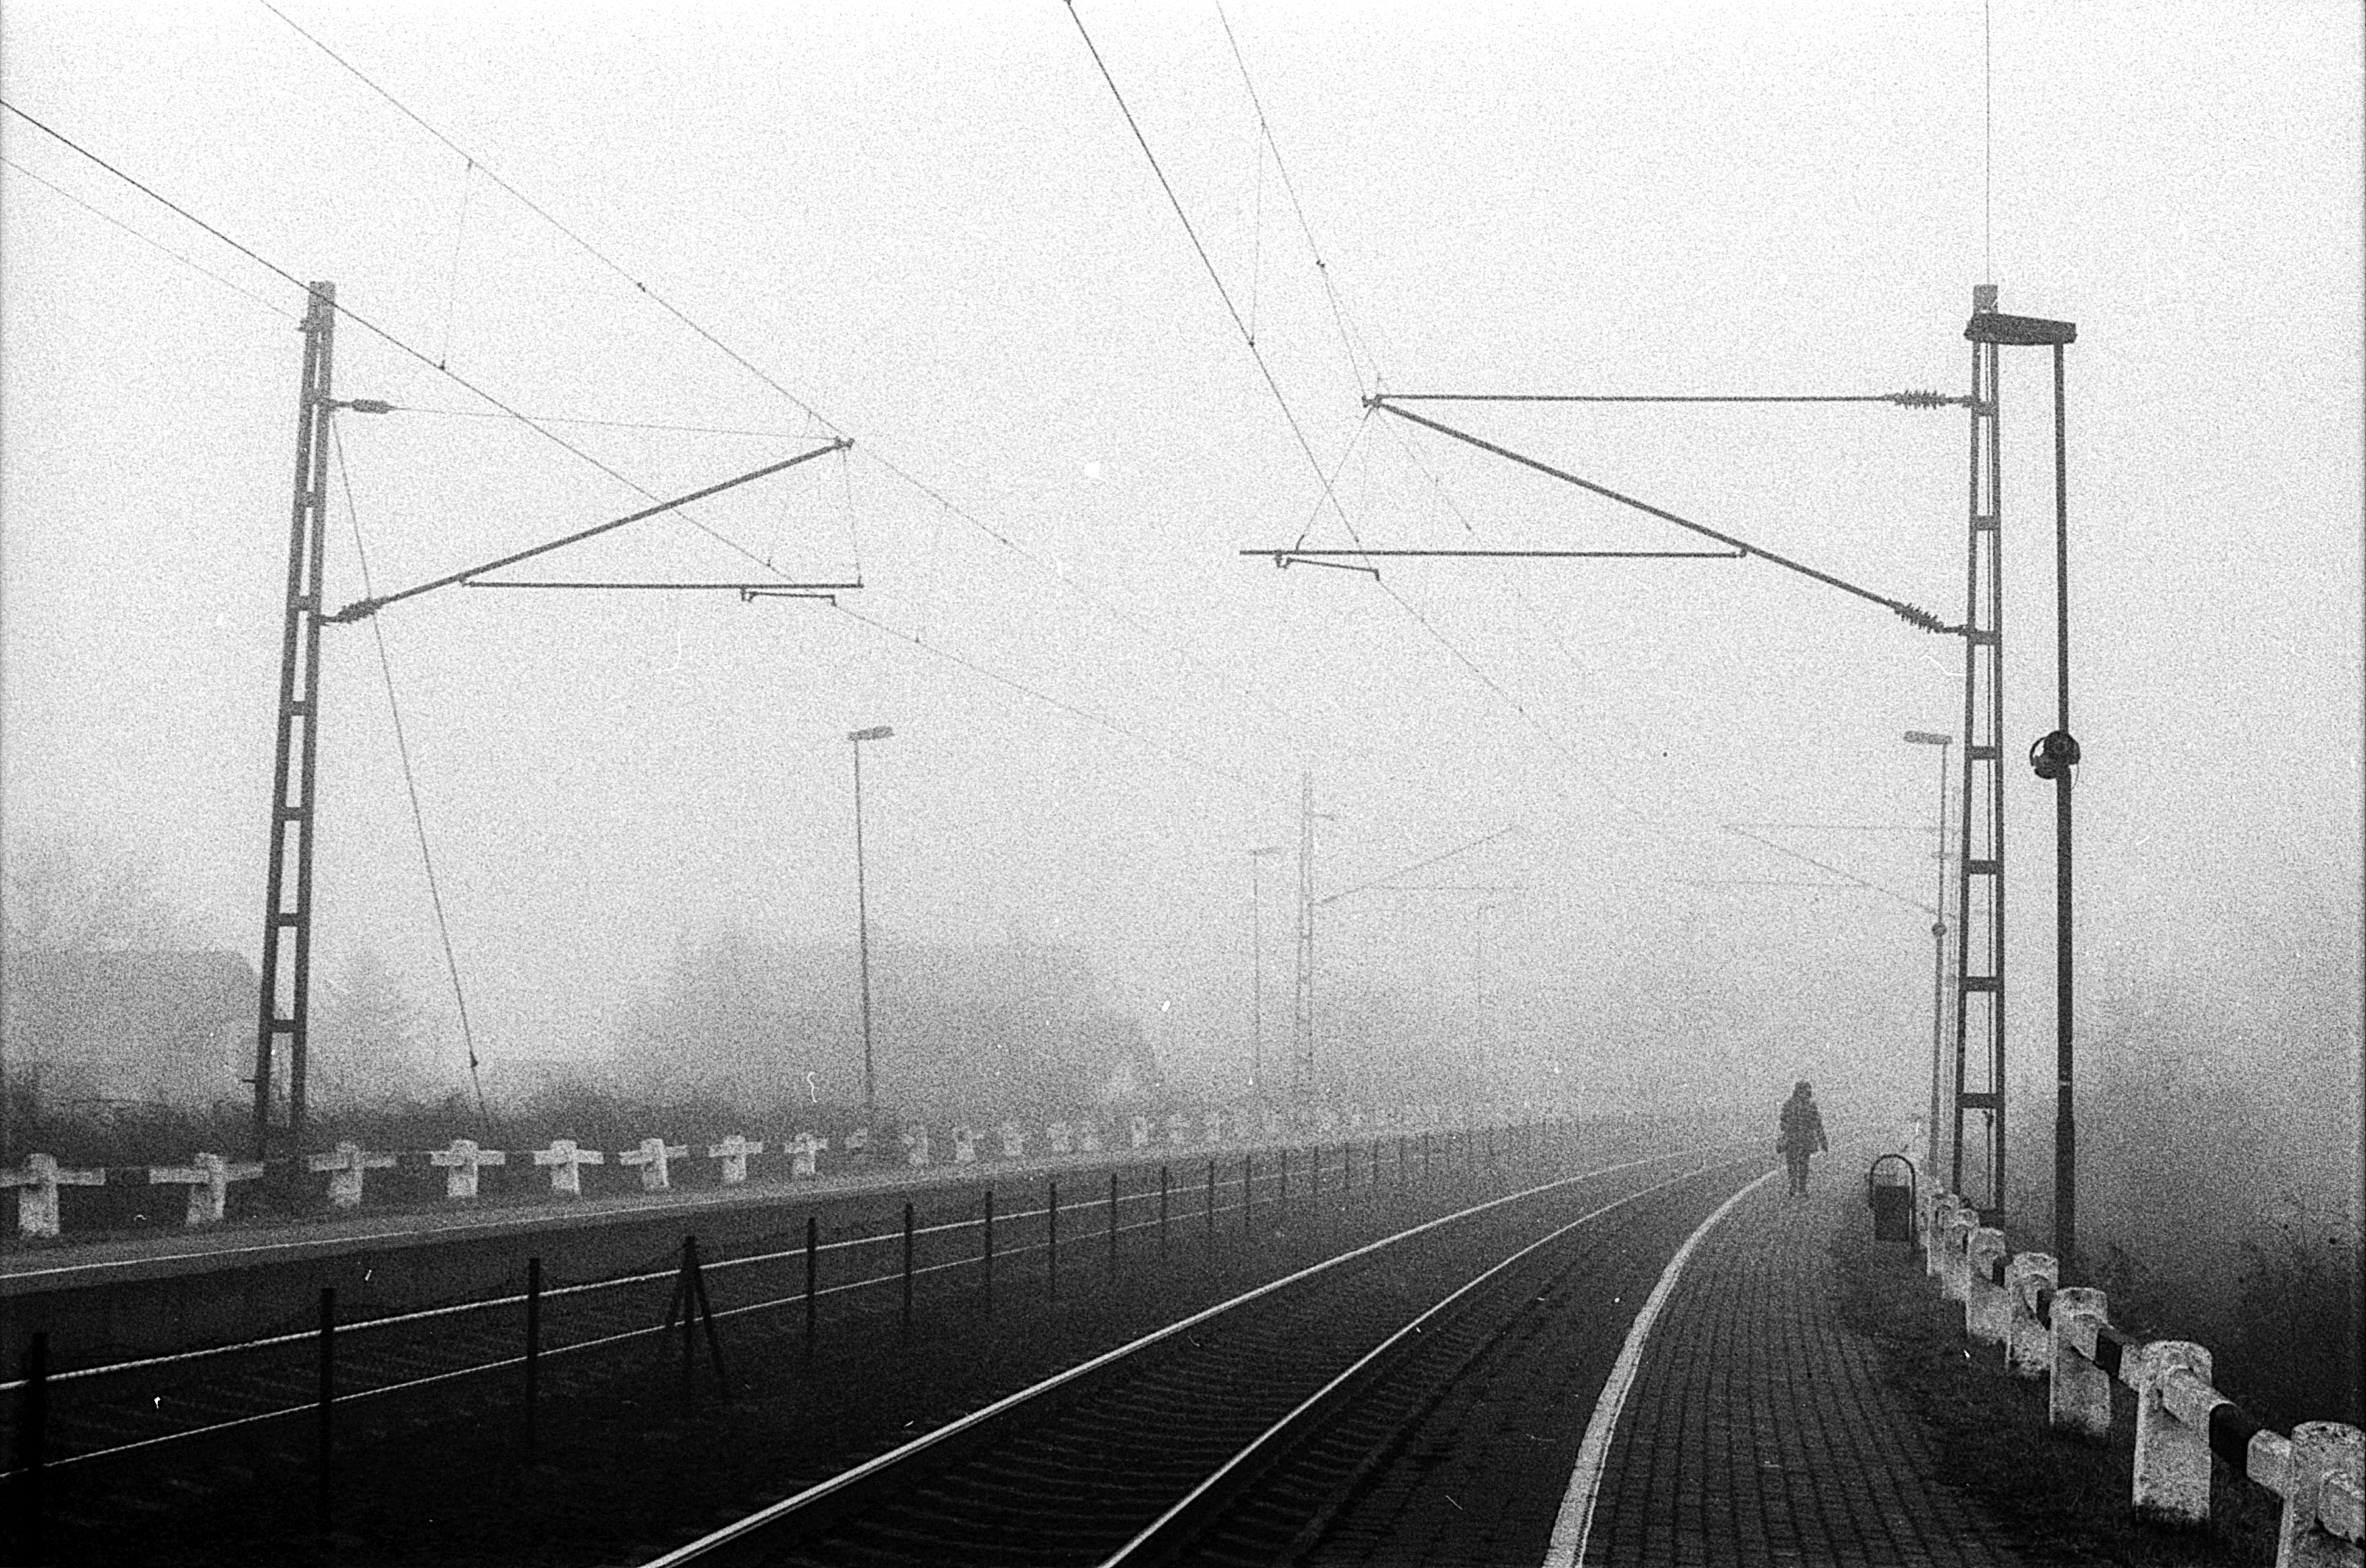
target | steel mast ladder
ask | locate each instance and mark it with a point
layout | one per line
(1979, 887)
(288, 903)
(1980, 953)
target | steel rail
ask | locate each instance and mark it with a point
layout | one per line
(963, 1426)
(502, 1363)
(518, 1298)
(1164, 1534)
(1200, 1214)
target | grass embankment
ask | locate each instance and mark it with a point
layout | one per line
(1990, 1430)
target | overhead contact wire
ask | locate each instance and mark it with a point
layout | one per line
(1330, 494)
(198, 268)
(1264, 130)
(1288, 414)
(540, 211)
(371, 327)
(1836, 871)
(804, 405)
(939, 651)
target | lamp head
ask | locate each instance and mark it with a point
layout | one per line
(877, 732)
(1924, 738)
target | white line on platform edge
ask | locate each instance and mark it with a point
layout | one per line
(763, 1517)
(1575, 1520)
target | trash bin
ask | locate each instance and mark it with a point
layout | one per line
(1889, 1193)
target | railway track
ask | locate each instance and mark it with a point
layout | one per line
(1237, 1434)
(474, 1350)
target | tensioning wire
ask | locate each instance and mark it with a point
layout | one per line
(411, 783)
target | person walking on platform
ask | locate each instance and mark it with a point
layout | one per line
(1803, 1135)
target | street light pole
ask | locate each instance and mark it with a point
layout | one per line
(1257, 978)
(2061, 752)
(1486, 1061)
(862, 937)
(1938, 947)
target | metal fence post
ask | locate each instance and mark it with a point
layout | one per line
(1281, 1191)
(1211, 1213)
(908, 1274)
(1248, 1195)
(32, 1451)
(533, 1347)
(328, 1396)
(985, 1260)
(1162, 1213)
(689, 1300)
(1112, 1224)
(1052, 1240)
(813, 1269)
(707, 1316)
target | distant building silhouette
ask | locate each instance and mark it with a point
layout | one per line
(160, 1027)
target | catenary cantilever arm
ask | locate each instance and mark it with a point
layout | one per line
(1912, 613)
(361, 609)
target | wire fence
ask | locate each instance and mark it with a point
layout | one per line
(1079, 1227)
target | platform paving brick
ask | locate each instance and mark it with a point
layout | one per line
(1479, 1477)
(1759, 1429)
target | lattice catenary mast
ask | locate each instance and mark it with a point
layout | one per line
(1980, 905)
(284, 1014)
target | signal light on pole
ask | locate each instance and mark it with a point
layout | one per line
(2053, 755)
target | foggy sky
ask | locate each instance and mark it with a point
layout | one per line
(933, 226)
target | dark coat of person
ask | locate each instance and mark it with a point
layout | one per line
(1803, 1125)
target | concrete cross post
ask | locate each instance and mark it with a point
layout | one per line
(1987, 1315)
(37, 1204)
(566, 1162)
(1926, 1210)
(1967, 1221)
(1179, 1129)
(1014, 1141)
(916, 1146)
(2325, 1477)
(1211, 1127)
(2079, 1394)
(344, 1165)
(207, 1177)
(804, 1155)
(1057, 1135)
(1138, 1129)
(2028, 1347)
(733, 1152)
(655, 1158)
(2171, 1481)
(1088, 1137)
(964, 1145)
(461, 1162)
(1935, 1257)
(1956, 1227)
